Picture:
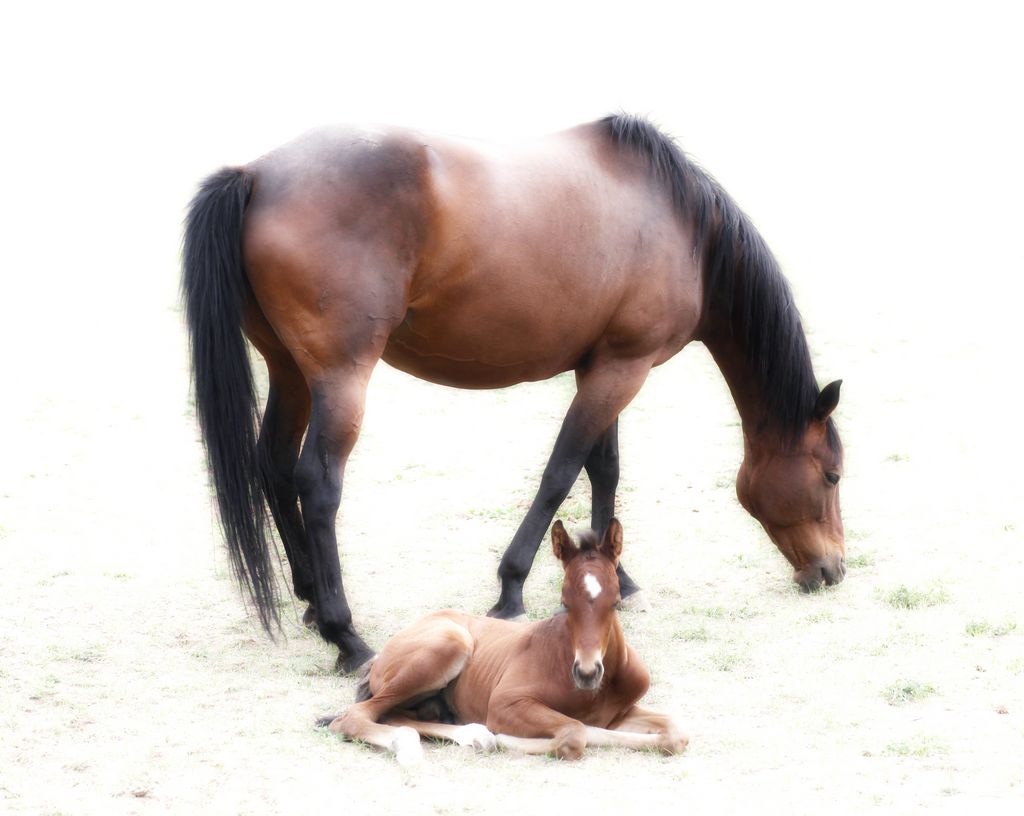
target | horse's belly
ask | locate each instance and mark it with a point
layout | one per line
(466, 373)
(478, 353)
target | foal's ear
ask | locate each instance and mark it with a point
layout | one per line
(565, 549)
(827, 401)
(611, 544)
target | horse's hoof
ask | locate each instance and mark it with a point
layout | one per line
(637, 602)
(309, 617)
(675, 743)
(351, 664)
(477, 736)
(406, 747)
(507, 613)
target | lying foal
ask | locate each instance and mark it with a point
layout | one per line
(553, 686)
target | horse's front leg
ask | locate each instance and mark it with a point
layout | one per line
(641, 728)
(602, 468)
(552, 732)
(604, 389)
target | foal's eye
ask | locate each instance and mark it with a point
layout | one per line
(833, 478)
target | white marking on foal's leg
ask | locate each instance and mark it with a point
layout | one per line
(475, 735)
(406, 747)
(592, 585)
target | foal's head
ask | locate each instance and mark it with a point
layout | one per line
(590, 592)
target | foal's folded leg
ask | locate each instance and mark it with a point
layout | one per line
(559, 735)
(419, 660)
(360, 722)
(642, 722)
(470, 735)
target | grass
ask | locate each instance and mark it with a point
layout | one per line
(720, 612)
(861, 560)
(698, 634)
(904, 597)
(725, 660)
(978, 628)
(920, 746)
(906, 691)
(495, 513)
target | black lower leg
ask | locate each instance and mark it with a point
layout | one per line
(561, 472)
(280, 436)
(602, 468)
(604, 388)
(318, 477)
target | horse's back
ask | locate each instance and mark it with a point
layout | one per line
(485, 265)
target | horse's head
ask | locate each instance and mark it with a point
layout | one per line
(590, 592)
(793, 490)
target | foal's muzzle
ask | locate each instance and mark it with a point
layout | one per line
(587, 679)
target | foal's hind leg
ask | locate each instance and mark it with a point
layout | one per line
(603, 391)
(420, 660)
(602, 468)
(470, 735)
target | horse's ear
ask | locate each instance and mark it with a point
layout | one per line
(565, 549)
(611, 544)
(828, 399)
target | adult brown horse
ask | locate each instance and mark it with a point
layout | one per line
(601, 250)
(554, 686)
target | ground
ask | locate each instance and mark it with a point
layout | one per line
(135, 682)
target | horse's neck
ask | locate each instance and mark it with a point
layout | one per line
(732, 362)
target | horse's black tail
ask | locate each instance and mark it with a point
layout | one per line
(215, 291)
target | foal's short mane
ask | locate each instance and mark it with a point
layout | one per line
(588, 540)
(744, 288)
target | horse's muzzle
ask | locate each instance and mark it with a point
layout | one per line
(828, 571)
(587, 679)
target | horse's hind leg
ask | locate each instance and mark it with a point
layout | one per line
(604, 389)
(602, 468)
(284, 422)
(335, 419)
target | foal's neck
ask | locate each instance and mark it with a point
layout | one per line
(616, 651)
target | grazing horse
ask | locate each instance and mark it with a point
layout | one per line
(549, 687)
(600, 250)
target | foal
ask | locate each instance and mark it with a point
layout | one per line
(553, 686)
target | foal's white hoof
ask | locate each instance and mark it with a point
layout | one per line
(406, 747)
(475, 735)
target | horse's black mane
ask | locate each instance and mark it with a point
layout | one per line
(743, 283)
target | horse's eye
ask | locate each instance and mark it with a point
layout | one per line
(833, 478)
